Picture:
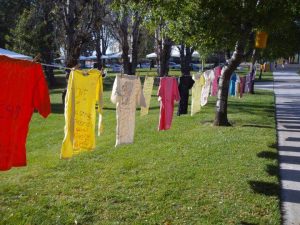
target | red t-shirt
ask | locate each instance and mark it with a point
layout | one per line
(22, 89)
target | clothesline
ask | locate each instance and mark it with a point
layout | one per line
(126, 94)
(63, 67)
(55, 66)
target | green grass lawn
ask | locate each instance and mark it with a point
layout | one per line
(194, 173)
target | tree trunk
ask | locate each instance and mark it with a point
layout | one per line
(136, 35)
(165, 56)
(124, 44)
(125, 58)
(158, 49)
(104, 39)
(185, 59)
(134, 53)
(252, 70)
(73, 49)
(47, 49)
(98, 49)
(50, 76)
(222, 98)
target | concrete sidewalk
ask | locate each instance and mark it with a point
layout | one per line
(287, 99)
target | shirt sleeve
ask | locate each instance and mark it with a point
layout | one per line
(100, 103)
(140, 99)
(41, 99)
(160, 90)
(99, 92)
(176, 94)
(191, 82)
(114, 93)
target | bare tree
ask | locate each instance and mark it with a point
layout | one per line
(163, 50)
(126, 26)
(100, 31)
(186, 53)
(77, 17)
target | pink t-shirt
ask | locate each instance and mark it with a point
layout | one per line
(217, 72)
(168, 93)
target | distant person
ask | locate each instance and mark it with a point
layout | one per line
(151, 64)
(283, 62)
(275, 65)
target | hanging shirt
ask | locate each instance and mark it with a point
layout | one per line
(206, 87)
(23, 88)
(127, 95)
(147, 91)
(217, 74)
(168, 93)
(242, 86)
(251, 82)
(237, 85)
(232, 85)
(196, 93)
(248, 83)
(185, 84)
(211, 77)
(84, 90)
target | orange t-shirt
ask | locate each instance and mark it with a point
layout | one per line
(22, 89)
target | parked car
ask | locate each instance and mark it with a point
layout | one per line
(143, 65)
(116, 68)
(194, 67)
(173, 65)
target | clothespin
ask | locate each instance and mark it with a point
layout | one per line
(85, 73)
(77, 67)
(37, 57)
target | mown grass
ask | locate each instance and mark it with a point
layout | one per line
(194, 173)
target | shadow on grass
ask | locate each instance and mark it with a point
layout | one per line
(253, 109)
(274, 145)
(272, 170)
(257, 125)
(56, 91)
(108, 82)
(267, 155)
(57, 108)
(109, 109)
(265, 188)
(155, 107)
(246, 223)
(261, 93)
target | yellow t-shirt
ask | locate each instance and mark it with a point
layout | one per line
(196, 93)
(84, 90)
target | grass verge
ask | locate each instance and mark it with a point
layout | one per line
(192, 174)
